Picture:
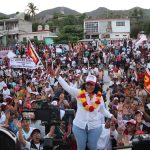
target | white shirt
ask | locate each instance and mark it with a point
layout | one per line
(84, 70)
(2, 118)
(26, 135)
(6, 93)
(83, 117)
(28, 146)
(2, 83)
(104, 142)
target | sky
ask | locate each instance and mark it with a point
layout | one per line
(12, 6)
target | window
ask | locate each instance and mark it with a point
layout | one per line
(87, 36)
(116, 35)
(121, 23)
(95, 36)
(124, 35)
(91, 27)
(35, 38)
(24, 39)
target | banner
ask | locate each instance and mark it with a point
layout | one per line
(22, 63)
(147, 80)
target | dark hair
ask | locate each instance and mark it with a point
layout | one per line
(96, 90)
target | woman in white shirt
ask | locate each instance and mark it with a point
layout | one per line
(86, 125)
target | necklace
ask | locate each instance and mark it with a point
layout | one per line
(82, 98)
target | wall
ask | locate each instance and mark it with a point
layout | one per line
(121, 35)
(40, 35)
(25, 26)
(125, 28)
(102, 26)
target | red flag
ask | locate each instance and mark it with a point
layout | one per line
(32, 53)
(147, 80)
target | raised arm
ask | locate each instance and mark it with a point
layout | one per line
(20, 136)
(71, 90)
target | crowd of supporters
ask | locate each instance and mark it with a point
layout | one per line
(120, 69)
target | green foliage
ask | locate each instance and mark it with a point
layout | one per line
(36, 41)
(137, 22)
(3, 17)
(70, 27)
(35, 26)
(146, 27)
(31, 11)
(27, 17)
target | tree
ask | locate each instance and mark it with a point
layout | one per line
(136, 17)
(31, 11)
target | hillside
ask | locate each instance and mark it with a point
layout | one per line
(100, 12)
(48, 14)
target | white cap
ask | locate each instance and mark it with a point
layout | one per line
(54, 103)
(116, 98)
(91, 78)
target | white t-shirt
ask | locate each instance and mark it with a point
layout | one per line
(2, 118)
(6, 93)
(2, 83)
(26, 135)
(28, 146)
(104, 142)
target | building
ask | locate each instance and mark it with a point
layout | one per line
(10, 29)
(17, 29)
(106, 28)
(41, 34)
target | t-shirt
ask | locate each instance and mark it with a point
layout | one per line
(29, 147)
(26, 135)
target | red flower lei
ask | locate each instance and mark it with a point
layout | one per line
(82, 98)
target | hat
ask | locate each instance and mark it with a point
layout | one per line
(33, 101)
(91, 78)
(34, 131)
(55, 103)
(138, 111)
(131, 121)
(116, 98)
(5, 85)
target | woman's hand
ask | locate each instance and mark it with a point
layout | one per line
(18, 124)
(57, 71)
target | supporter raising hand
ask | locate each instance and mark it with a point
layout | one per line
(57, 71)
(90, 104)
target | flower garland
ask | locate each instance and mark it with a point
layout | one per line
(82, 98)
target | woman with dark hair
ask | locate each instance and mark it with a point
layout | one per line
(87, 124)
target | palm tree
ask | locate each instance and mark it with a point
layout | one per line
(31, 11)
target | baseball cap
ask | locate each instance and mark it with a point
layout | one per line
(131, 121)
(116, 98)
(34, 131)
(91, 79)
(138, 111)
